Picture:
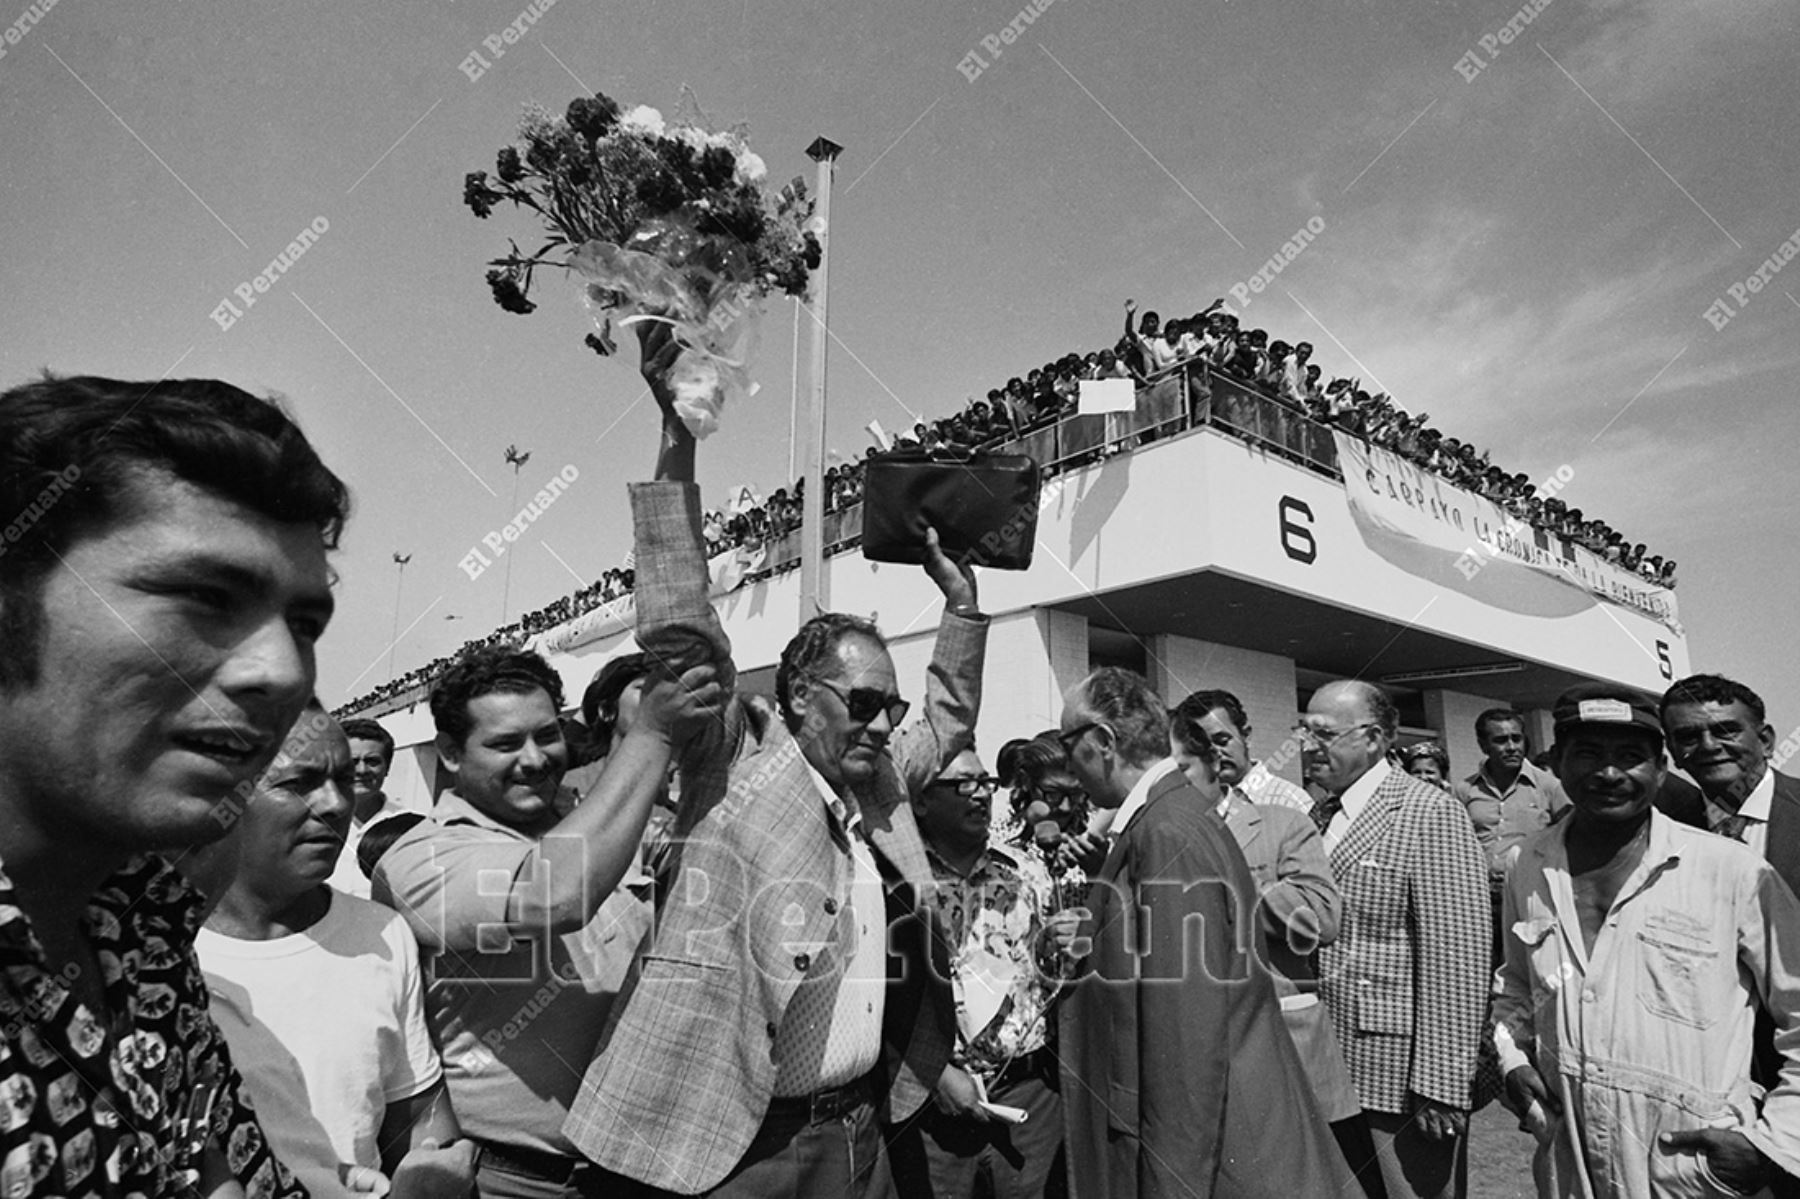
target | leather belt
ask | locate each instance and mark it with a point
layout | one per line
(539, 1164)
(828, 1104)
(1034, 1065)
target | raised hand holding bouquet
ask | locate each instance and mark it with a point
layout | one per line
(675, 232)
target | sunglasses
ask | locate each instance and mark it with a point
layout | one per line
(970, 787)
(866, 703)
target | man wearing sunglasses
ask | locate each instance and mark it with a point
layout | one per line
(1406, 981)
(1178, 1073)
(759, 1036)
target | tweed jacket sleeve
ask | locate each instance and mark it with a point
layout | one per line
(952, 700)
(1451, 913)
(676, 625)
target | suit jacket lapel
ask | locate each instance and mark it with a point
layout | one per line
(1783, 849)
(1245, 823)
(1370, 825)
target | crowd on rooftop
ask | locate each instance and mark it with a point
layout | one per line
(1150, 352)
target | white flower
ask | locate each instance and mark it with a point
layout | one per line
(643, 119)
(694, 138)
(751, 168)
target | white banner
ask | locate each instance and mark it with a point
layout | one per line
(1434, 530)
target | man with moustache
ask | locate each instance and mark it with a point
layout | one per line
(525, 939)
(1406, 981)
(997, 904)
(1638, 951)
(163, 583)
(1220, 717)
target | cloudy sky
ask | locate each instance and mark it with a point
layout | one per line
(1522, 237)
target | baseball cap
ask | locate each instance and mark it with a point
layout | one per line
(1606, 704)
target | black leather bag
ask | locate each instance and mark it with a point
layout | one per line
(984, 506)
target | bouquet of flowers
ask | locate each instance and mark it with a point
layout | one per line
(666, 222)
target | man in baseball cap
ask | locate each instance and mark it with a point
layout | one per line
(1637, 951)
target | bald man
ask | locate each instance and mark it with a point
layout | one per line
(1406, 980)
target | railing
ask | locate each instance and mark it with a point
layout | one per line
(1187, 396)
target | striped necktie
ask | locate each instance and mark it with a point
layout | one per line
(1325, 809)
(1733, 827)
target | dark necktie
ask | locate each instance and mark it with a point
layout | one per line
(1733, 827)
(1325, 809)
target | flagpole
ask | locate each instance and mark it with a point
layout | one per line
(794, 402)
(815, 591)
(394, 639)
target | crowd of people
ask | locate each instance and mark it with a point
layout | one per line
(780, 945)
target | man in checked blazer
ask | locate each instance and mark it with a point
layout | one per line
(745, 1057)
(1406, 981)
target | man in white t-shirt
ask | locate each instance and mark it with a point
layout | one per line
(319, 993)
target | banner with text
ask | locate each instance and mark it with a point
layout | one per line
(1468, 544)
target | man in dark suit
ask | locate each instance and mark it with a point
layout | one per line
(1718, 731)
(1178, 1074)
(1406, 981)
(746, 1055)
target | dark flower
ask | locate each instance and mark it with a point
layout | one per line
(592, 118)
(659, 194)
(815, 253)
(508, 293)
(717, 166)
(477, 195)
(509, 168)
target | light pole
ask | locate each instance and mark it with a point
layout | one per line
(517, 460)
(815, 590)
(399, 578)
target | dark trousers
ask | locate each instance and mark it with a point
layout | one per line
(936, 1156)
(1357, 1144)
(792, 1158)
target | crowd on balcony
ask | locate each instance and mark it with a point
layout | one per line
(1151, 352)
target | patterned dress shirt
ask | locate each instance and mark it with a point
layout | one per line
(89, 1108)
(994, 916)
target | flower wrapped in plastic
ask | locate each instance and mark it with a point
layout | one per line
(665, 222)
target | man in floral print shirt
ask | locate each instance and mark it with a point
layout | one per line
(996, 904)
(163, 580)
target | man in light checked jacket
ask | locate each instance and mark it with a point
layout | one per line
(1406, 981)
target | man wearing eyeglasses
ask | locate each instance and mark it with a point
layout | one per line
(997, 904)
(759, 1037)
(1178, 1073)
(1406, 980)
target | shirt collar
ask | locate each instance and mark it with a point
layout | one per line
(1357, 797)
(452, 808)
(1527, 777)
(1755, 806)
(1139, 794)
(846, 811)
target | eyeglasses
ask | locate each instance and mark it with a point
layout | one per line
(1072, 738)
(1058, 797)
(1311, 738)
(866, 703)
(979, 786)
